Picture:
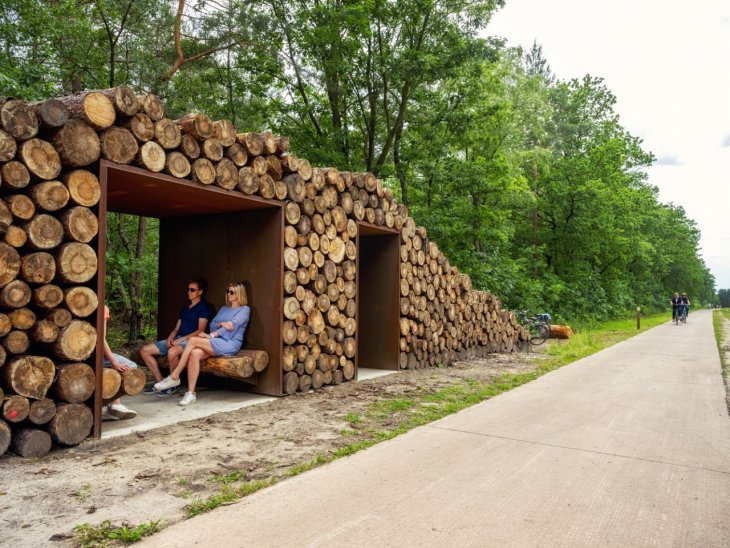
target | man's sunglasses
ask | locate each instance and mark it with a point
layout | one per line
(193, 289)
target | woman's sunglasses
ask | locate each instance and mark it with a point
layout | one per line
(231, 291)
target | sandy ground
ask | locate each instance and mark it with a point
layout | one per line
(153, 475)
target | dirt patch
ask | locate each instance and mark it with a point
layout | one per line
(156, 474)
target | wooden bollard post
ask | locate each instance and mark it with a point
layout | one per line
(638, 317)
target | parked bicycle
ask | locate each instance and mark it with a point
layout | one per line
(537, 325)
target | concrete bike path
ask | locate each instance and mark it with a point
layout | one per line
(628, 447)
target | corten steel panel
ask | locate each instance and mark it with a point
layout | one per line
(141, 192)
(244, 246)
(100, 247)
(378, 308)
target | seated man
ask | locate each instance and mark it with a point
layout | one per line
(193, 320)
(116, 409)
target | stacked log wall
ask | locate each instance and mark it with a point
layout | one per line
(49, 156)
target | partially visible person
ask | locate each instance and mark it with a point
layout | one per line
(685, 304)
(227, 330)
(676, 303)
(192, 320)
(116, 409)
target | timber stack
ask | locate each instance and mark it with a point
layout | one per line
(49, 154)
(48, 267)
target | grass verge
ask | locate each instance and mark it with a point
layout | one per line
(719, 317)
(393, 416)
(106, 534)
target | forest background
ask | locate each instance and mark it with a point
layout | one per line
(527, 182)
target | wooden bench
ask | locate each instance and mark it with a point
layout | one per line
(242, 366)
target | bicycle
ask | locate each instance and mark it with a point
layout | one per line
(681, 314)
(538, 326)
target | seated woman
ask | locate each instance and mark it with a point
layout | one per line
(225, 339)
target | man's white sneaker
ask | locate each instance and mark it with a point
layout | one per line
(165, 383)
(188, 398)
(106, 416)
(121, 411)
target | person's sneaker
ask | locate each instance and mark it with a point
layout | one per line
(167, 391)
(167, 382)
(121, 411)
(106, 416)
(188, 398)
(150, 390)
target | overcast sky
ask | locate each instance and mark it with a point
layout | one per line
(668, 63)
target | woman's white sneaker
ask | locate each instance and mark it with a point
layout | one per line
(165, 383)
(188, 398)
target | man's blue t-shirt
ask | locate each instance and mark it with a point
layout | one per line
(189, 317)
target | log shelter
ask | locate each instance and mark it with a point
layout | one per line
(206, 231)
(378, 312)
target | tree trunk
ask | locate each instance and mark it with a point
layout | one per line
(31, 442)
(75, 382)
(77, 143)
(40, 158)
(72, 423)
(29, 376)
(76, 342)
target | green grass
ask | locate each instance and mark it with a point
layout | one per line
(83, 493)
(719, 317)
(422, 407)
(105, 533)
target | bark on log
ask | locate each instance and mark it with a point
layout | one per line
(83, 187)
(77, 144)
(151, 105)
(74, 383)
(118, 145)
(72, 423)
(15, 408)
(167, 134)
(29, 376)
(81, 301)
(92, 107)
(5, 436)
(8, 147)
(10, 264)
(42, 411)
(282, 145)
(49, 196)
(76, 342)
(41, 159)
(132, 383)
(16, 294)
(123, 99)
(44, 232)
(14, 175)
(51, 113)
(199, 126)
(19, 120)
(151, 156)
(80, 224)
(31, 442)
(48, 296)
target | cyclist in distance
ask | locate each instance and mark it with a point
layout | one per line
(676, 303)
(685, 304)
